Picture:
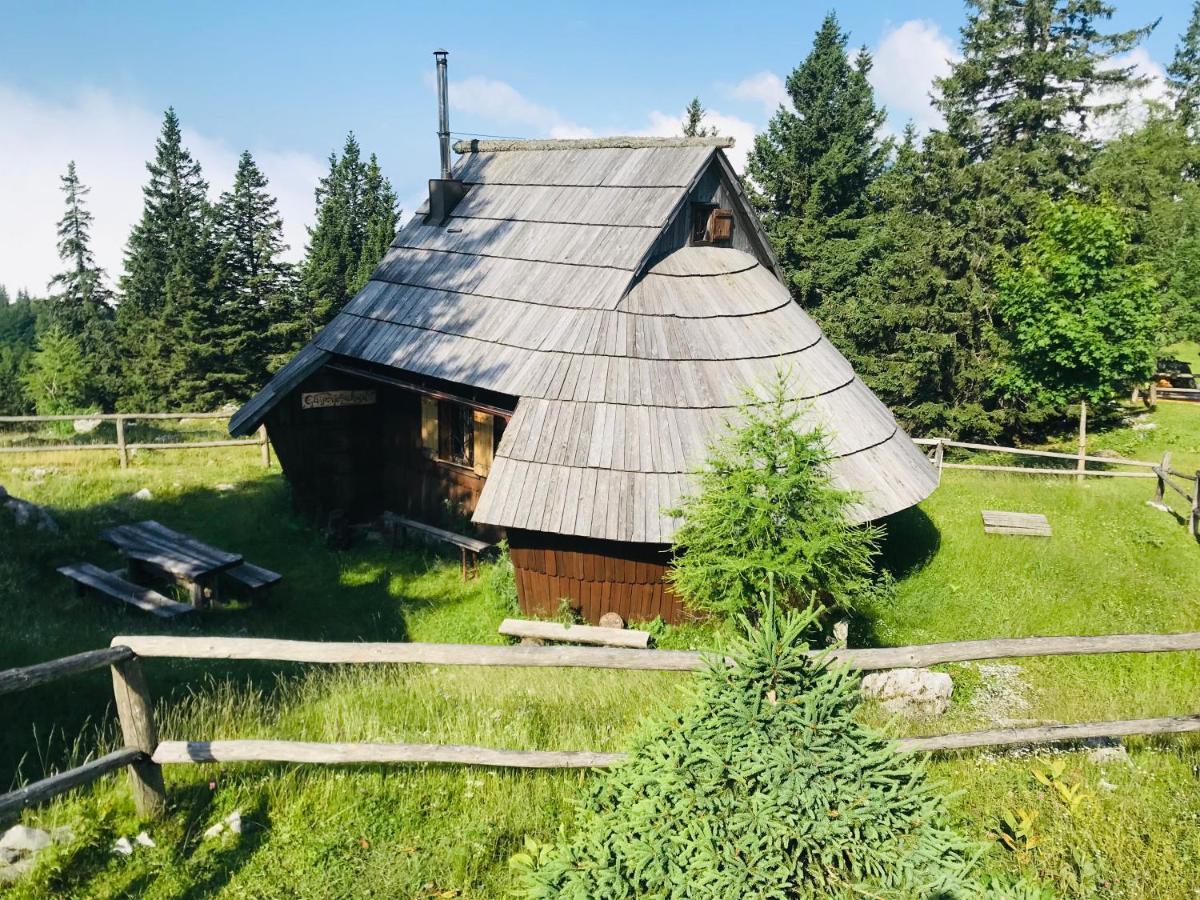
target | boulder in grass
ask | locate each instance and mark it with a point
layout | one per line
(910, 692)
(143, 494)
(86, 426)
(612, 620)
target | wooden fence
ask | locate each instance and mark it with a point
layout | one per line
(1081, 459)
(123, 448)
(143, 754)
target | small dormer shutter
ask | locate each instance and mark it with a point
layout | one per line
(720, 225)
(484, 443)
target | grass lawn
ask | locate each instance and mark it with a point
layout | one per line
(1113, 564)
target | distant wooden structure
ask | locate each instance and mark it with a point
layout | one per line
(549, 355)
(1028, 524)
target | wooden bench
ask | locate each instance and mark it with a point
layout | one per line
(86, 575)
(254, 578)
(468, 545)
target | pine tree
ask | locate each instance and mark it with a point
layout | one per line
(809, 173)
(253, 286)
(1029, 79)
(168, 263)
(1184, 73)
(57, 377)
(334, 253)
(767, 515)
(379, 216)
(764, 785)
(693, 121)
(81, 302)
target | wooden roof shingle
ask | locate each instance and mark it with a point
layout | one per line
(541, 286)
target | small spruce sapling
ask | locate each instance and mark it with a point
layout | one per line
(767, 517)
(764, 786)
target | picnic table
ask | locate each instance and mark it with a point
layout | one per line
(193, 563)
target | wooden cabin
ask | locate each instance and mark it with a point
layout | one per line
(545, 353)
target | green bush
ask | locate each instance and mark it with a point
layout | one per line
(765, 786)
(766, 517)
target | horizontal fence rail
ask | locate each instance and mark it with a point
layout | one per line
(865, 659)
(144, 754)
(123, 448)
(12, 680)
(41, 791)
(1080, 460)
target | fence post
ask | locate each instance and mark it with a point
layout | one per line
(939, 451)
(266, 446)
(121, 451)
(1161, 472)
(135, 710)
(1081, 466)
(1153, 391)
(1194, 520)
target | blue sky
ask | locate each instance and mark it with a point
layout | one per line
(89, 81)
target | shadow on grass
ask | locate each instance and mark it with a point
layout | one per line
(910, 541)
(325, 595)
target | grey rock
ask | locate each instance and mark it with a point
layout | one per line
(1103, 751)
(225, 488)
(86, 426)
(24, 839)
(143, 494)
(10, 872)
(612, 620)
(910, 692)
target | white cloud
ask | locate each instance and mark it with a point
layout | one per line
(500, 102)
(766, 88)
(1139, 100)
(907, 59)
(110, 140)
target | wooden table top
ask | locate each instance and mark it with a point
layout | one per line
(173, 552)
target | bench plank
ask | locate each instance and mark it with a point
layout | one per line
(254, 577)
(118, 588)
(1030, 524)
(458, 540)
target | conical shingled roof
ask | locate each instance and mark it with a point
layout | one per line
(543, 286)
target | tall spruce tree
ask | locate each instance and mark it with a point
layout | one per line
(379, 216)
(808, 174)
(355, 223)
(252, 284)
(1184, 73)
(166, 308)
(81, 303)
(1033, 76)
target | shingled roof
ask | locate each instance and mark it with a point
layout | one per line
(547, 285)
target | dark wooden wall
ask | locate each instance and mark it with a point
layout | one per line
(594, 576)
(363, 460)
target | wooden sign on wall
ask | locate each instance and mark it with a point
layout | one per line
(328, 399)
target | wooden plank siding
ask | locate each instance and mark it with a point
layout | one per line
(594, 577)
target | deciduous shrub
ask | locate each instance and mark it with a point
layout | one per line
(765, 786)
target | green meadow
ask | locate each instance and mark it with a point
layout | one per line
(1113, 564)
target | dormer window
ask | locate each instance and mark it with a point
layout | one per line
(711, 225)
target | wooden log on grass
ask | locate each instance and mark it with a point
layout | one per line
(1049, 734)
(409, 653)
(865, 659)
(43, 790)
(174, 752)
(21, 679)
(575, 634)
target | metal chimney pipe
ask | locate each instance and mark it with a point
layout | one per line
(443, 113)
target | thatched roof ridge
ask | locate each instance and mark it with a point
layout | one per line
(502, 145)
